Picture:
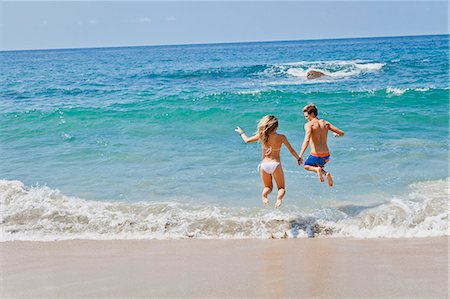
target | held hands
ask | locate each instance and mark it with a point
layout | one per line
(239, 130)
(300, 161)
(336, 135)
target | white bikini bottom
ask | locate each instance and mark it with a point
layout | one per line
(269, 167)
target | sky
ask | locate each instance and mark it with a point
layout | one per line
(85, 24)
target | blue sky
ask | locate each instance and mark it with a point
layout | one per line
(79, 24)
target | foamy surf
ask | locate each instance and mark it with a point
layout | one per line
(297, 71)
(45, 214)
(423, 213)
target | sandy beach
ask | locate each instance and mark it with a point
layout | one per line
(295, 268)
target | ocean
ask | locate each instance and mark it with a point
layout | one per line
(139, 142)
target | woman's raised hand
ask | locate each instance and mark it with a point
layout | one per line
(239, 130)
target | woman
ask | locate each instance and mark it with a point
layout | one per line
(270, 164)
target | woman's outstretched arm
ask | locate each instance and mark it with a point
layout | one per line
(247, 139)
(290, 148)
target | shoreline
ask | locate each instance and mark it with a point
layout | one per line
(296, 268)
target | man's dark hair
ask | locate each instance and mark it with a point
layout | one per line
(310, 108)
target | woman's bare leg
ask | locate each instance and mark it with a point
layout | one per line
(268, 186)
(278, 175)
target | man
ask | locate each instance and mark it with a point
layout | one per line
(316, 131)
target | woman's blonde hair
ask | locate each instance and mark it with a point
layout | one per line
(266, 126)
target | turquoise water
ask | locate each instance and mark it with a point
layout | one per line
(155, 125)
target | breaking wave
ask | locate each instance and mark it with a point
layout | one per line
(296, 71)
(42, 213)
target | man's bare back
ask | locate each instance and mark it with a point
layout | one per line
(319, 135)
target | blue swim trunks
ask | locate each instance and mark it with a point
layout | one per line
(316, 159)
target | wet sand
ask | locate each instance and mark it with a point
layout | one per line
(295, 268)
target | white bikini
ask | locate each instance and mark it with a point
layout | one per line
(269, 166)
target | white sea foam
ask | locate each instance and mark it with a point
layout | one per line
(297, 72)
(422, 89)
(423, 213)
(251, 92)
(42, 213)
(370, 66)
(400, 91)
(332, 69)
(396, 91)
(393, 91)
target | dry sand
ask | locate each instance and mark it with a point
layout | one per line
(296, 268)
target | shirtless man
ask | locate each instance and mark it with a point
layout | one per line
(316, 131)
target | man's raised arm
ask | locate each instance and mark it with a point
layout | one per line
(336, 131)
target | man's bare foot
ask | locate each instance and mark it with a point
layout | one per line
(265, 201)
(329, 179)
(278, 203)
(319, 173)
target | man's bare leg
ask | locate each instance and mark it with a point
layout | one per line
(329, 178)
(315, 169)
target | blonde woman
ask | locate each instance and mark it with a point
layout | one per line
(270, 165)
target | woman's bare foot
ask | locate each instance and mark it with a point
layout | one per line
(278, 203)
(280, 195)
(319, 173)
(266, 191)
(329, 179)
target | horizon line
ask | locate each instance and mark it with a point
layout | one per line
(219, 43)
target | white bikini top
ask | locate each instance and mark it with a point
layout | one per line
(269, 150)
